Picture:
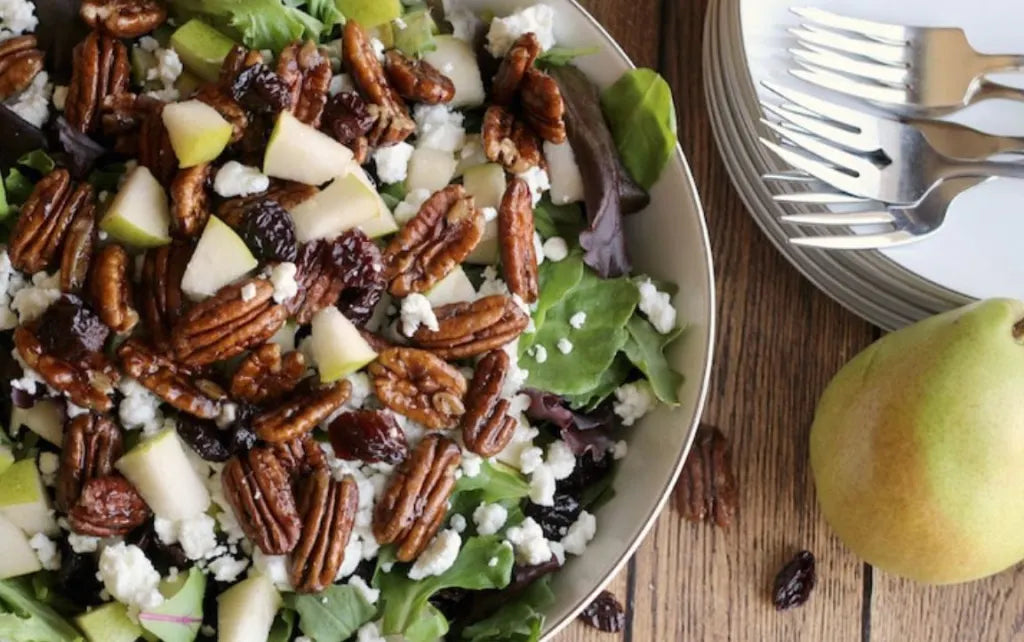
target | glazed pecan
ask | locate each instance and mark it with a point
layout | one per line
(123, 18)
(78, 249)
(190, 201)
(100, 68)
(417, 80)
(468, 329)
(519, 58)
(45, 218)
(348, 119)
(238, 60)
(393, 123)
(258, 488)
(543, 106)
(111, 288)
(87, 383)
(287, 194)
(162, 302)
(346, 272)
(487, 427)
(226, 325)
(416, 500)
(108, 507)
(707, 486)
(92, 443)
(328, 508)
(175, 384)
(516, 231)
(20, 61)
(266, 375)
(301, 413)
(307, 72)
(221, 100)
(154, 149)
(300, 456)
(419, 385)
(509, 142)
(432, 244)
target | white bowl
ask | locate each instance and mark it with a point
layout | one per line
(669, 241)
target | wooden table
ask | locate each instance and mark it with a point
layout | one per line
(779, 342)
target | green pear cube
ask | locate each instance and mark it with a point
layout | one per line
(299, 152)
(487, 250)
(44, 418)
(197, 131)
(337, 347)
(245, 612)
(108, 623)
(348, 202)
(430, 169)
(18, 557)
(6, 458)
(139, 214)
(454, 288)
(179, 618)
(566, 179)
(161, 472)
(370, 13)
(414, 35)
(202, 48)
(23, 499)
(486, 184)
(458, 60)
(221, 257)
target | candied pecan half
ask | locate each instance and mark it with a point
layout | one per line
(45, 217)
(328, 508)
(300, 456)
(226, 325)
(487, 427)
(162, 302)
(520, 57)
(543, 106)
(108, 507)
(707, 486)
(190, 202)
(266, 375)
(20, 61)
(468, 329)
(87, 383)
(509, 142)
(393, 123)
(417, 80)
(346, 272)
(258, 488)
(416, 500)
(307, 73)
(372, 436)
(178, 386)
(287, 194)
(123, 18)
(154, 148)
(301, 413)
(92, 443)
(78, 249)
(348, 119)
(516, 231)
(419, 385)
(238, 60)
(100, 68)
(432, 244)
(111, 288)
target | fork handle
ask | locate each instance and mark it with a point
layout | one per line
(998, 63)
(986, 89)
(979, 169)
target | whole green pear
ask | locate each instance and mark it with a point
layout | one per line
(917, 447)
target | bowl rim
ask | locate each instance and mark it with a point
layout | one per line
(553, 628)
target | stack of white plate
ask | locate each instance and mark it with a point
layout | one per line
(979, 253)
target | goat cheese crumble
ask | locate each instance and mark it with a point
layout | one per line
(438, 557)
(370, 632)
(539, 19)
(657, 306)
(46, 551)
(528, 542)
(236, 179)
(16, 17)
(196, 535)
(83, 543)
(370, 594)
(580, 534)
(282, 276)
(440, 128)
(340, 83)
(227, 568)
(139, 408)
(248, 292)
(539, 182)
(633, 401)
(555, 249)
(393, 162)
(465, 23)
(408, 208)
(33, 104)
(564, 345)
(458, 523)
(578, 320)
(30, 302)
(129, 576)
(416, 312)
(489, 518)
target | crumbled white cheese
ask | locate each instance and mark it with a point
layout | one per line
(129, 576)
(33, 104)
(580, 534)
(227, 568)
(564, 345)
(378, 48)
(235, 179)
(529, 543)
(538, 19)
(540, 353)
(578, 320)
(560, 459)
(465, 23)
(370, 632)
(60, 97)
(370, 594)
(471, 464)
(273, 567)
(10, 282)
(538, 247)
(167, 69)
(542, 486)
(139, 408)
(531, 459)
(539, 182)
(30, 302)
(491, 284)
(516, 377)
(458, 523)
(16, 17)
(149, 44)
(619, 450)
(282, 276)
(46, 551)
(393, 162)
(416, 312)
(197, 536)
(438, 127)
(48, 465)
(410, 207)
(556, 249)
(633, 401)
(489, 518)
(249, 292)
(657, 306)
(438, 557)
(341, 83)
(83, 543)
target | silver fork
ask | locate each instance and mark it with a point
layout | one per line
(931, 69)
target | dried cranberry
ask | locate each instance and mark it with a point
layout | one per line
(213, 443)
(76, 578)
(588, 471)
(71, 331)
(605, 613)
(269, 231)
(355, 260)
(260, 89)
(368, 435)
(555, 520)
(794, 582)
(163, 556)
(347, 118)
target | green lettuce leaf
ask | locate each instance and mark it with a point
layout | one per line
(5, 207)
(38, 160)
(555, 280)
(612, 378)
(18, 186)
(566, 221)
(646, 349)
(495, 483)
(521, 620)
(27, 620)
(284, 624)
(259, 24)
(331, 616)
(642, 117)
(562, 56)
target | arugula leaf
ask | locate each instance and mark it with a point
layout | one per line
(259, 24)
(566, 221)
(28, 620)
(521, 620)
(642, 117)
(646, 349)
(561, 56)
(496, 482)
(331, 616)
(38, 160)
(284, 624)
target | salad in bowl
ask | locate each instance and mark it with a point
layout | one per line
(318, 317)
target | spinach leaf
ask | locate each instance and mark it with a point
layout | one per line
(284, 624)
(611, 379)
(27, 620)
(521, 620)
(566, 221)
(331, 616)
(561, 56)
(495, 482)
(646, 349)
(642, 118)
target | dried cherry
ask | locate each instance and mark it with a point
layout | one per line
(371, 436)
(76, 578)
(794, 582)
(213, 443)
(163, 556)
(261, 90)
(361, 268)
(269, 231)
(555, 520)
(605, 613)
(347, 117)
(69, 330)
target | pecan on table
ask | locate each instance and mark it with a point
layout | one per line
(419, 385)
(707, 486)
(393, 123)
(543, 106)
(111, 286)
(45, 217)
(161, 301)
(226, 325)
(100, 68)
(468, 329)
(432, 244)
(287, 194)
(20, 61)
(516, 231)
(92, 443)
(348, 119)
(487, 427)
(328, 508)
(123, 18)
(190, 200)
(307, 72)
(417, 80)
(176, 385)
(510, 142)
(76, 256)
(301, 456)
(416, 500)
(267, 375)
(301, 413)
(88, 382)
(346, 272)
(520, 57)
(258, 488)
(108, 507)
